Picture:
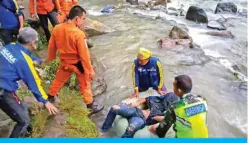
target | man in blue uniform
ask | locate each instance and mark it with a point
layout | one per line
(11, 20)
(147, 72)
(16, 63)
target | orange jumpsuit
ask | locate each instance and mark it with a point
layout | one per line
(65, 6)
(70, 42)
(43, 6)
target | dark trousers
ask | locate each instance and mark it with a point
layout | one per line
(13, 107)
(143, 89)
(8, 35)
(44, 22)
(135, 118)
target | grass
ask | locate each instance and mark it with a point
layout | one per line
(77, 122)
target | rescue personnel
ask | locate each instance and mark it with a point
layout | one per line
(187, 117)
(65, 6)
(45, 10)
(11, 20)
(16, 63)
(147, 72)
(70, 42)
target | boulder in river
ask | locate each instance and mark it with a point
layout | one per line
(133, 2)
(216, 25)
(229, 7)
(167, 43)
(94, 28)
(179, 33)
(223, 34)
(243, 13)
(196, 14)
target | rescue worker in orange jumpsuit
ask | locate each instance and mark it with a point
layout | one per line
(45, 10)
(70, 42)
(65, 6)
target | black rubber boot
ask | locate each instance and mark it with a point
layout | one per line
(94, 108)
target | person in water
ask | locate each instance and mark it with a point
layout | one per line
(187, 116)
(138, 118)
(147, 72)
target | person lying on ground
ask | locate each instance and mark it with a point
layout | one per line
(147, 72)
(138, 118)
(188, 116)
(11, 20)
(18, 65)
(70, 42)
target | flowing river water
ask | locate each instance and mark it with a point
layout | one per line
(207, 65)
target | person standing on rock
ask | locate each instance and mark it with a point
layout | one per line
(65, 6)
(17, 64)
(70, 42)
(11, 20)
(45, 10)
(147, 72)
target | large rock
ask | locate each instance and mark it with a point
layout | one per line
(243, 13)
(179, 33)
(223, 34)
(6, 125)
(94, 28)
(133, 2)
(54, 124)
(99, 85)
(196, 14)
(167, 43)
(216, 25)
(229, 7)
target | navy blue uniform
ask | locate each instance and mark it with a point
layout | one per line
(149, 75)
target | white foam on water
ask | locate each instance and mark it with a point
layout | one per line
(95, 13)
(214, 54)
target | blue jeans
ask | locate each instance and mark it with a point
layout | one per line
(134, 116)
(13, 107)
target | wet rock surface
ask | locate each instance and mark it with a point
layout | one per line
(94, 28)
(196, 14)
(229, 7)
(99, 85)
(223, 34)
(216, 25)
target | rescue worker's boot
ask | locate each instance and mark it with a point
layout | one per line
(94, 108)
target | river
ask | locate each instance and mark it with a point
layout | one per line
(207, 65)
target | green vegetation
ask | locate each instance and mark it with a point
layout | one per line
(77, 122)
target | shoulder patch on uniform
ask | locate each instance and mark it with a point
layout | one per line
(193, 110)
